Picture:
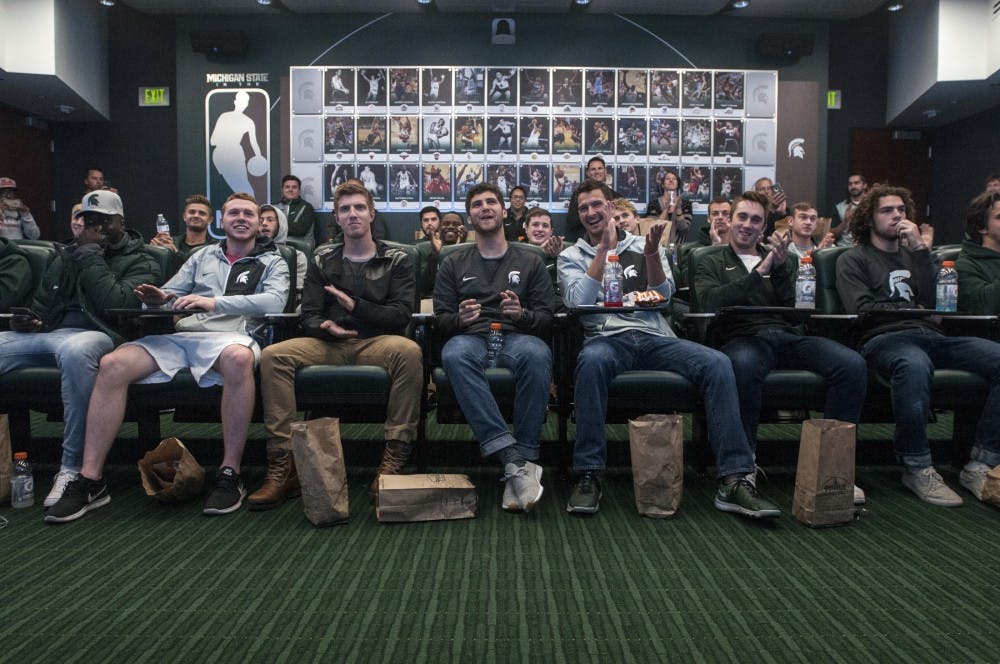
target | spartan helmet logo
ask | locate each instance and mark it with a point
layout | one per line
(760, 142)
(796, 148)
(243, 278)
(94, 200)
(760, 94)
(899, 286)
(514, 277)
(630, 272)
(306, 91)
(308, 188)
(306, 139)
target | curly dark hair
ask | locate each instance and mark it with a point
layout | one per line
(864, 215)
(482, 188)
(977, 216)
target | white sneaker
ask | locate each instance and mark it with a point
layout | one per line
(510, 502)
(526, 482)
(859, 495)
(929, 487)
(63, 477)
(973, 478)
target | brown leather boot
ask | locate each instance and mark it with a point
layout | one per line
(394, 458)
(281, 483)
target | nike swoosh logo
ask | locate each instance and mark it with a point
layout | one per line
(464, 279)
(731, 268)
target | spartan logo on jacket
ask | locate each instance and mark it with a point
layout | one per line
(244, 278)
(633, 271)
(898, 287)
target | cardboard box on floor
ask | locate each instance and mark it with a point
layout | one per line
(432, 497)
(824, 479)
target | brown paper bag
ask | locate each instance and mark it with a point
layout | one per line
(657, 446)
(991, 490)
(6, 460)
(319, 460)
(824, 479)
(425, 498)
(170, 472)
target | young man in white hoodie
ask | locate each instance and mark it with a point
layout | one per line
(642, 340)
(274, 225)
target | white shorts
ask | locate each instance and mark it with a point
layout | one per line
(197, 351)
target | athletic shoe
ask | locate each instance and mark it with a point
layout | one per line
(859, 496)
(79, 497)
(63, 477)
(973, 478)
(228, 493)
(527, 483)
(741, 497)
(509, 502)
(929, 487)
(586, 496)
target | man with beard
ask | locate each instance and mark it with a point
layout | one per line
(493, 281)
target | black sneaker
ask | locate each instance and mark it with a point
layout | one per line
(228, 494)
(741, 497)
(81, 496)
(586, 496)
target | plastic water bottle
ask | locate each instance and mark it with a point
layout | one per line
(947, 287)
(22, 484)
(805, 284)
(612, 282)
(162, 225)
(494, 344)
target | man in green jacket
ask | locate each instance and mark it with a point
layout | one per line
(757, 271)
(67, 327)
(978, 263)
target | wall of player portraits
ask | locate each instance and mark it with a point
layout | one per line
(424, 135)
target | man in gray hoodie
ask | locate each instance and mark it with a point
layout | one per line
(642, 340)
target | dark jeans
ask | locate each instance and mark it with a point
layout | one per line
(910, 357)
(605, 357)
(753, 357)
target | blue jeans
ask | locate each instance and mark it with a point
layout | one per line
(753, 357)
(603, 358)
(77, 353)
(909, 358)
(530, 360)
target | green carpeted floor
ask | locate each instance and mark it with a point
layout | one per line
(137, 581)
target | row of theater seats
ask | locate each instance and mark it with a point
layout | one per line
(360, 393)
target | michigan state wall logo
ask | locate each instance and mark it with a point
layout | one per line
(237, 145)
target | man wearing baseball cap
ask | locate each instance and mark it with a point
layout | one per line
(67, 327)
(18, 223)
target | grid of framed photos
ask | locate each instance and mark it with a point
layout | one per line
(425, 135)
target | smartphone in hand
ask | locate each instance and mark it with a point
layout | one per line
(25, 312)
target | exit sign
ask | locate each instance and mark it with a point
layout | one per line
(154, 97)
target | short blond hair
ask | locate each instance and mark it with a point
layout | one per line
(623, 205)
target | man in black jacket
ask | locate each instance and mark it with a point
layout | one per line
(494, 281)
(891, 268)
(73, 330)
(748, 273)
(356, 303)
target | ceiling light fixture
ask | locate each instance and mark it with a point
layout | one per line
(894, 6)
(107, 3)
(266, 3)
(582, 3)
(740, 4)
(423, 2)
